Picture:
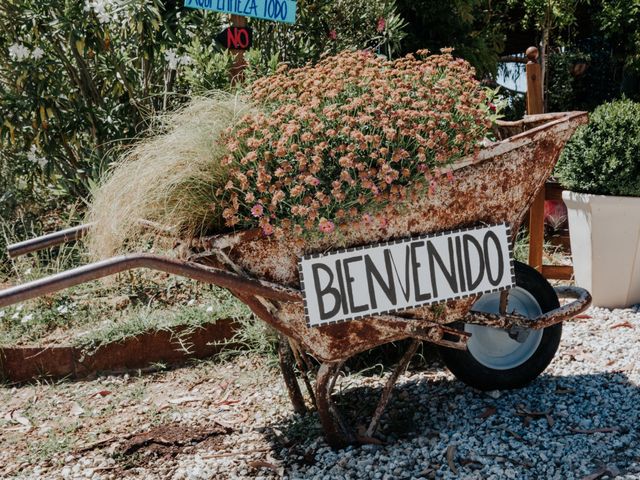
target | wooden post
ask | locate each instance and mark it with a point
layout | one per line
(536, 213)
(238, 62)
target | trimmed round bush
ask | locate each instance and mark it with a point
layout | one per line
(603, 157)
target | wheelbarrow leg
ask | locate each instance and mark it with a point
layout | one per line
(336, 430)
(304, 365)
(386, 392)
(285, 356)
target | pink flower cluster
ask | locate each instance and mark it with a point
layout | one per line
(348, 136)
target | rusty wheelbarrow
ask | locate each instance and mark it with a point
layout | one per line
(491, 338)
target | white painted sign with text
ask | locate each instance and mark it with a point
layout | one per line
(380, 279)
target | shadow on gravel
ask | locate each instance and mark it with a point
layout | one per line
(565, 426)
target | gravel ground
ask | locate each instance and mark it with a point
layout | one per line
(232, 420)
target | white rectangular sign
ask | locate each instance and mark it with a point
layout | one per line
(393, 276)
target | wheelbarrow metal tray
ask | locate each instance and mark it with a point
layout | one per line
(497, 186)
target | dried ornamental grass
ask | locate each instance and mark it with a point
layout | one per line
(348, 136)
(170, 178)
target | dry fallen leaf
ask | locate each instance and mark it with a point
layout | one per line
(550, 420)
(178, 401)
(529, 416)
(514, 435)
(625, 324)
(101, 393)
(612, 471)
(595, 430)
(451, 452)
(76, 409)
(264, 464)
(490, 410)
(17, 417)
(563, 390)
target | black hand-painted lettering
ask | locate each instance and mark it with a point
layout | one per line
(327, 290)
(388, 287)
(354, 308)
(419, 297)
(449, 274)
(463, 286)
(345, 306)
(466, 241)
(487, 260)
(406, 288)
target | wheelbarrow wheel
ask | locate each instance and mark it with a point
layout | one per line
(497, 359)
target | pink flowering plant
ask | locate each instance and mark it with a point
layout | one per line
(349, 136)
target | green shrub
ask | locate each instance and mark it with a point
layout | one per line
(77, 77)
(603, 157)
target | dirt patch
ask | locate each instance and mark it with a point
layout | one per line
(166, 441)
(158, 418)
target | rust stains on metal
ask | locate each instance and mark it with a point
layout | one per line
(495, 187)
(386, 392)
(558, 315)
(336, 430)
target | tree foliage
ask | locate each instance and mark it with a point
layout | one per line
(473, 28)
(77, 76)
(619, 21)
(327, 27)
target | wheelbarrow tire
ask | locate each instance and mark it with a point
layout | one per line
(532, 295)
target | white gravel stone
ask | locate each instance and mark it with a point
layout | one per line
(592, 384)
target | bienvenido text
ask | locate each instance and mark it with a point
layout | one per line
(414, 272)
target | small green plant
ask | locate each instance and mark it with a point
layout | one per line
(552, 253)
(255, 337)
(54, 444)
(603, 157)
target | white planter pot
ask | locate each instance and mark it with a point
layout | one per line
(605, 246)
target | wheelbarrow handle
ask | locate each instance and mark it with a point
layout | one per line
(49, 240)
(581, 302)
(115, 265)
(70, 235)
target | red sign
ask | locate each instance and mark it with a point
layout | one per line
(236, 38)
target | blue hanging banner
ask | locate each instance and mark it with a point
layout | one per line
(276, 10)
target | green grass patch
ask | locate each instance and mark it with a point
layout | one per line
(211, 306)
(96, 314)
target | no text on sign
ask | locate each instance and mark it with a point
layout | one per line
(389, 277)
(276, 10)
(236, 38)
